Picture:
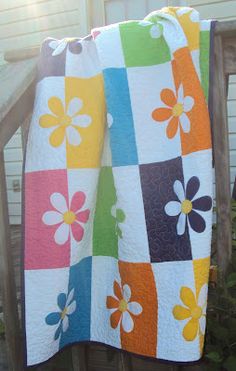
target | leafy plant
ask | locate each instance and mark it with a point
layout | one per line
(220, 347)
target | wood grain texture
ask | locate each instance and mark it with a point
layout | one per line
(8, 289)
(221, 156)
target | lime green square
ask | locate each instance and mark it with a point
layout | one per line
(140, 48)
(205, 61)
(105, 236)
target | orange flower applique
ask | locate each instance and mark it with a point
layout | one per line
(175, 112)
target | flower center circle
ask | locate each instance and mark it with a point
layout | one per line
(196, 312)
(69, 217)
(186, 206)
(65, 120)
(178, 109)
(123, 305)
(64, 313)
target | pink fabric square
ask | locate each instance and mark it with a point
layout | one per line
(41, 249)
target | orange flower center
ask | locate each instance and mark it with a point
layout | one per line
(69, 217)
(65, 120)
(123, 305)
(63, 313)
(178, 109)
(196, 312)
(186, 206)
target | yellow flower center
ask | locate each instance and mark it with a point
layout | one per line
(178, 109)
(123, 305)
(186, 206)
(65, 120)
(196, 312)
(69, 217)
(63, 313)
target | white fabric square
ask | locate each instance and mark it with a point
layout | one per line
(153, 145)
(192, 167)
(85, 181)
(38, 304)
(102, 286)
(41, 155)
(133, 246)
(171, 345)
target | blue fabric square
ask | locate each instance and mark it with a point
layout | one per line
(122, 136)
(80, 287)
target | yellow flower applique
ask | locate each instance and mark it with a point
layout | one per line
(66, 121)
(194, 310)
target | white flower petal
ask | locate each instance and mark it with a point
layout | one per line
(71, 308)
(185, 122)
(65, 323)
(73, 136)
(74, 107)
(127, 322)
(53, 44)
(109, 120)
(188, 103)
(179, 190)
(58, 201)
(135, 308)
(155, 31)
(62, 234)
(202, 297)
(83, 121)
(60, 48)
(202, 324)
(181, 224)
(70, 297)
(173, 208)
(52, 217)
(126, 293)
(180, 94)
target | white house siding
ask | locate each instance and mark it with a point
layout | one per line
(23, 24)
(223, 10)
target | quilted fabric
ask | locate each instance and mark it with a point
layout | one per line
(118, 190)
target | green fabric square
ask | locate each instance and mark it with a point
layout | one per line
(140, 48)
(205, 60)
(105, 236)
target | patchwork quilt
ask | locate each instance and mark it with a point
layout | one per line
(118, 190)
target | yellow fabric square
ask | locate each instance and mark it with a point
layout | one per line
(91, 92)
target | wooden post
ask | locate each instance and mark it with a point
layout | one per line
(8, 287)
(221, 157)
(79, 357)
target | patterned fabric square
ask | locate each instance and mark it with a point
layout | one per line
(105, 229)
(161, 186)
(120, 120)
(49, 228)
(129, 215)
(76, 305)
(143, 44)
(174, 282)
(41, 284)
(82, 188)
(153, 144)
(198, 184)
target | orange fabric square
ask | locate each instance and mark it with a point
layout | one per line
(139, 277)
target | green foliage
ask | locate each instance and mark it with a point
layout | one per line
(220, 347)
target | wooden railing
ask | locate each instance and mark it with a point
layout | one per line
(18, 107)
